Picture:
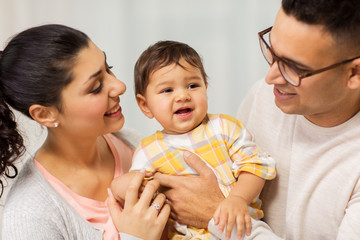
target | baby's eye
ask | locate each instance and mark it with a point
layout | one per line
(194, 85)
(166, 90)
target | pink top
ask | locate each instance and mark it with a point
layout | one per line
(96, 212)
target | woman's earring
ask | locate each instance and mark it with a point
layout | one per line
(56, 124)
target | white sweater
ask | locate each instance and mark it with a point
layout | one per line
(316, 194)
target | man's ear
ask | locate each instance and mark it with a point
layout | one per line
(46, 116)
(141, 101)
(354, 79)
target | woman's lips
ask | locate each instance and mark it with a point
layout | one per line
(116, 111)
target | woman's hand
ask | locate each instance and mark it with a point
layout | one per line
(142, 217)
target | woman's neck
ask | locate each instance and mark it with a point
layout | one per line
(87, 167)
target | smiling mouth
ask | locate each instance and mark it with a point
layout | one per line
(117, 108)
(183, 111)
(285, 93)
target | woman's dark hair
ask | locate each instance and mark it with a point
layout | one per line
(35, 66)
(162, 54)
(341, 18)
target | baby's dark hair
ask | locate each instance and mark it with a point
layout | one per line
(35, 66)
(341, 18)
(162, 54)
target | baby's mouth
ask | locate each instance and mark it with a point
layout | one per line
(183, 111)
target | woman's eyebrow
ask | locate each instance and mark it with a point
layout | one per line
(98, 72)
(95, 74)
(105, 57)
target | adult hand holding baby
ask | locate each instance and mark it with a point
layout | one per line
(142, 217)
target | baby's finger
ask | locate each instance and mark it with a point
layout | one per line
(223, 220)
(240, 226)
(216, 216)
(248, 225)
(229, 226)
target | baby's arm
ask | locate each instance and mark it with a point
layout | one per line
(234, 209)
(121, 184)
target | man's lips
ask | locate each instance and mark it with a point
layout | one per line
(282, 92)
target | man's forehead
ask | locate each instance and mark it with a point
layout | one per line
(304, 44)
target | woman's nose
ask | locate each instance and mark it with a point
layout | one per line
(274, 75)
(117, 87)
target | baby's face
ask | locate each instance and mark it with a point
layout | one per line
(177, 97)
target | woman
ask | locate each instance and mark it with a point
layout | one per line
(58, 77)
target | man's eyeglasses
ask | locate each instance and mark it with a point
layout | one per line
(291, 73)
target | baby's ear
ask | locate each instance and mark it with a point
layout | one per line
(141, 101)
(46, 116)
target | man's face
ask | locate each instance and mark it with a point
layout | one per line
(321, 97)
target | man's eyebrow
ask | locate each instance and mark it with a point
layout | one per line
(290, 61)
(297, 65)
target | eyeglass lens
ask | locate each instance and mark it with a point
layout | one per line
(289, 74)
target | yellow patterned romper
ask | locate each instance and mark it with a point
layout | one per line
(223, 143)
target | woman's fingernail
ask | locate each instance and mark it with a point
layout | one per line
(186, 154)
(142, 170)
(110, 192)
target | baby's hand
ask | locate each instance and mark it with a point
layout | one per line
(230, 211)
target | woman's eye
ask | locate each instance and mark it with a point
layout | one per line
(98, 89)
(108, 69)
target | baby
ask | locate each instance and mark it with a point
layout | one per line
(171, 86)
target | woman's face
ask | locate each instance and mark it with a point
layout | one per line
(91, 102)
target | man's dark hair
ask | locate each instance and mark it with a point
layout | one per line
(341, 18)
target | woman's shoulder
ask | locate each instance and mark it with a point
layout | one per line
(29, 192)
(34, 208)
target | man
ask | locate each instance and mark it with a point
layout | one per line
(307, 117)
